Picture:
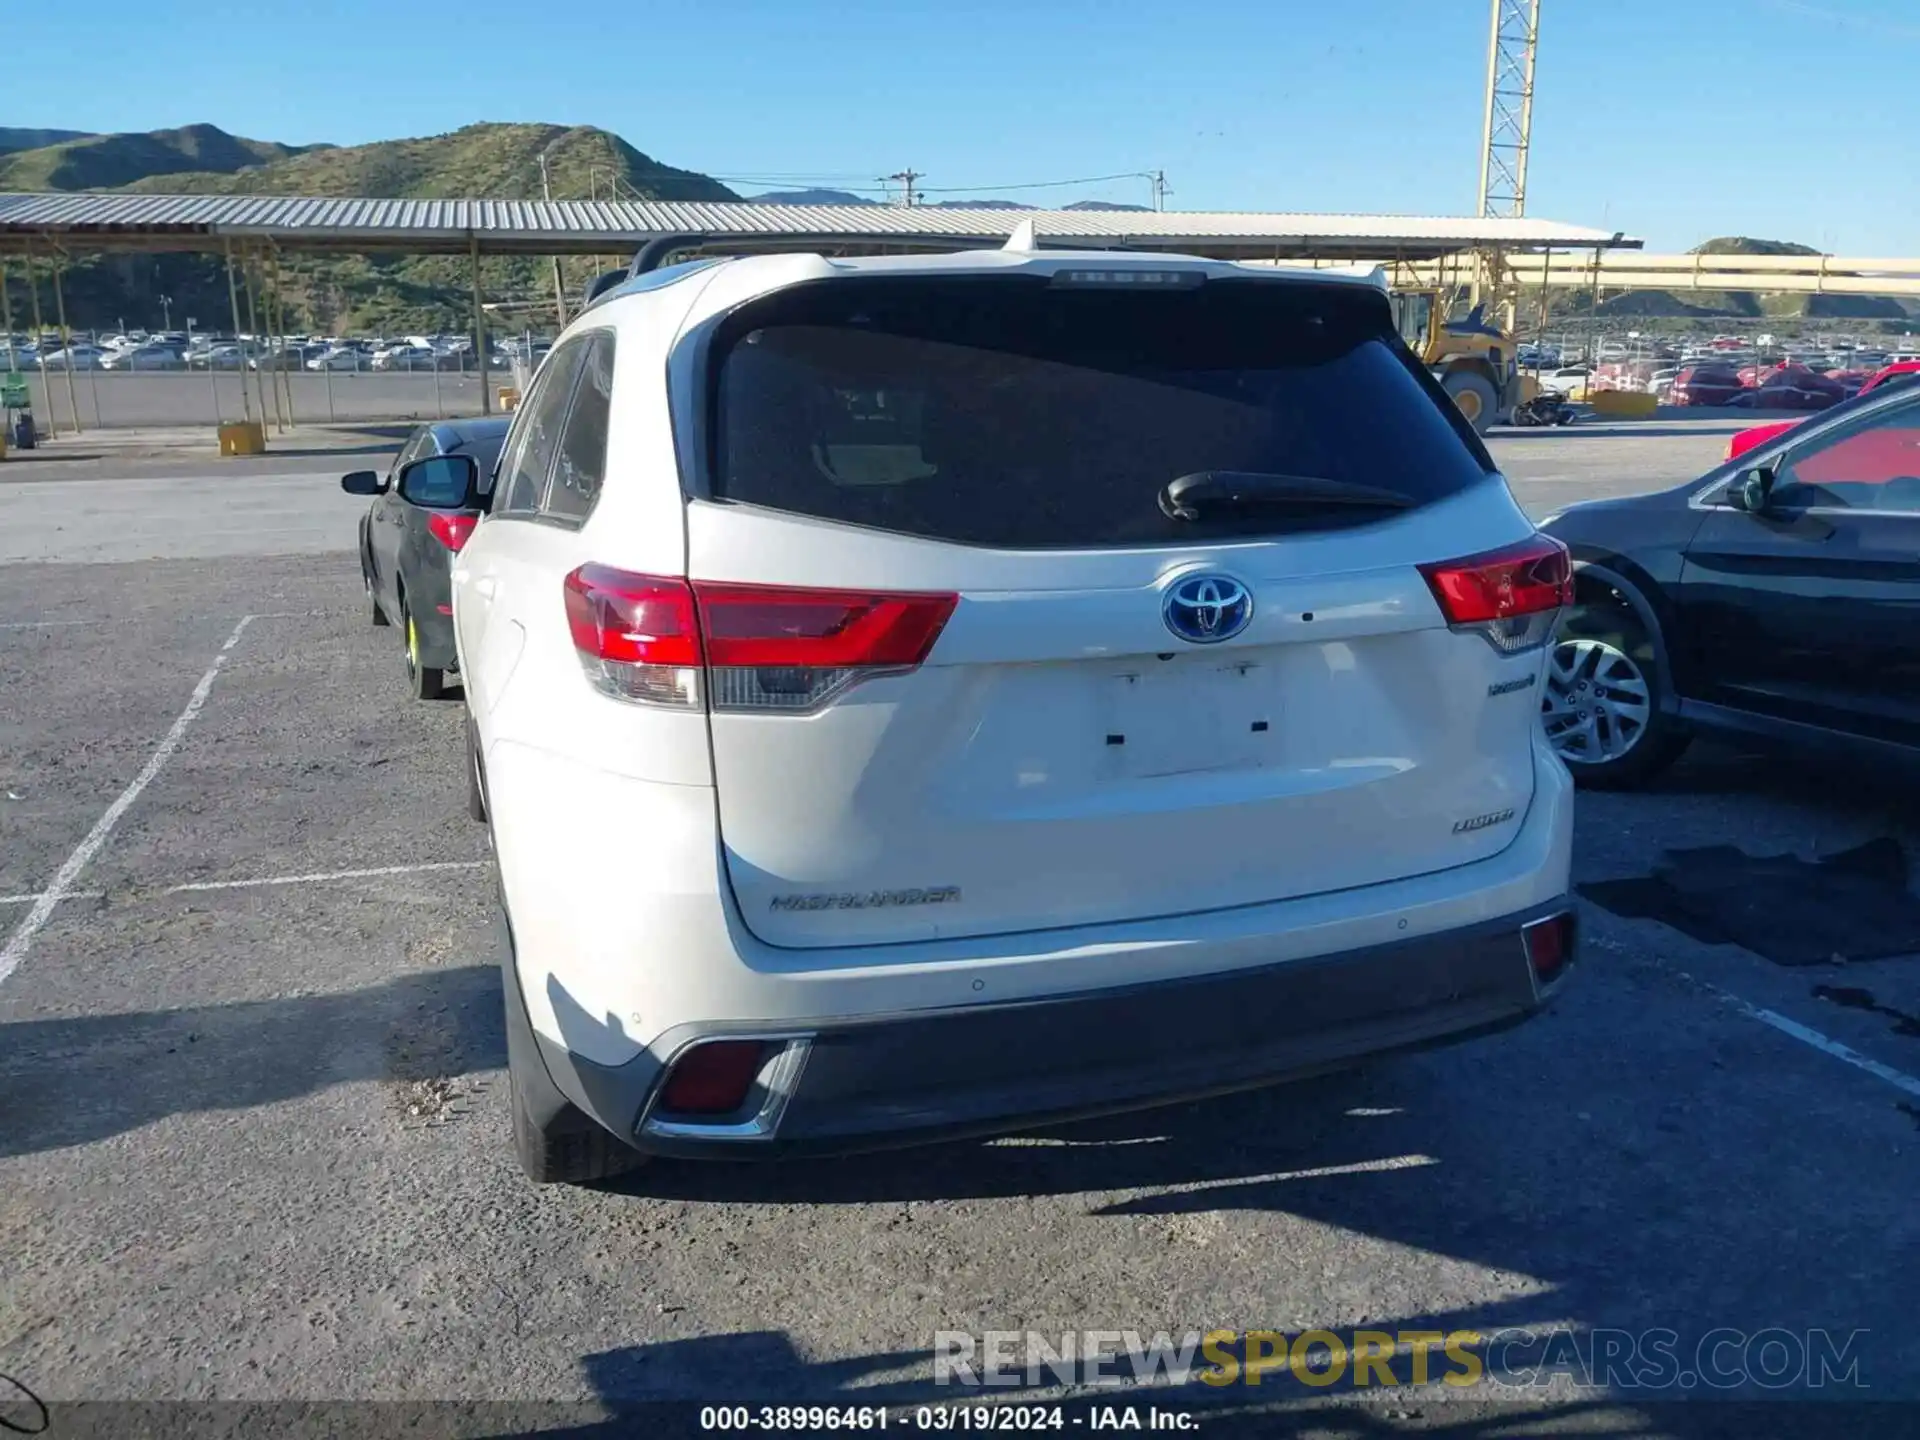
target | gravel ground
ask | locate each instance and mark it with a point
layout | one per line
(252, 1136)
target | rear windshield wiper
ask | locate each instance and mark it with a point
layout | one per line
(1190, 496)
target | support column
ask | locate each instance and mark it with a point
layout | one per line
(66, 341)
(233, 299)
(39, 350)
(479, 327)
(6, 317)
(253, 324)
(277, 322)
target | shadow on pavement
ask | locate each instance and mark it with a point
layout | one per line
(1716, 766)
(70, 1081)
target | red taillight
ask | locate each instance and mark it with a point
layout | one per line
(631, 619)
(648, 638)
(1509, 595)
(712, 1079)
(1549, 944)
(829, 629)
(451, 531)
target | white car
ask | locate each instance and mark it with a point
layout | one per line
(1568, 380)
(341, 359)
(77, 357)
(142, 357)
(921, 696)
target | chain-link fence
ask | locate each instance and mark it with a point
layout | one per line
(92, 384)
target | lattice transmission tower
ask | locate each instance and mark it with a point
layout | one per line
(1511, 48)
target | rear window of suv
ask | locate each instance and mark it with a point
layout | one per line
(1021, 413)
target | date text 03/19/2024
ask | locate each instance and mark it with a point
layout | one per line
(1004, 1418)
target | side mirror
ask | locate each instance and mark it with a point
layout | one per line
(441, 482)
(361, 482)
(1753, 491)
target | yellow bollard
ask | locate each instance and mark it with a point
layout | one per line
(1623, 404)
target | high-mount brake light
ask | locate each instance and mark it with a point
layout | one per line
(761, 648)
(1132, 279)
(1511, 596)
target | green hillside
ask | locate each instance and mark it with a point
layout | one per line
(13, 137)
(334, 294)
(104, 162)
(499, 161)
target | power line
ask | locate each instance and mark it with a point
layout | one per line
(1039, 184)
(854, 184)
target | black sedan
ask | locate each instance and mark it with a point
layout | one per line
(1776, 598)
(423, 510)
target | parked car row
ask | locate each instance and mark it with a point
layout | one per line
(175, 351)
(876, 783)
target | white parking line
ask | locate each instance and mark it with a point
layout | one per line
(45, 624)
(325, 875)
(1317, 1172)
(22, 938)
(68, 895)
(1827, 1045)
(317, 877)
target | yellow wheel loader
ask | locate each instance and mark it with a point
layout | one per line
(1472, 358)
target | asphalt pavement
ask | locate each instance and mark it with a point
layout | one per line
(252, 1110)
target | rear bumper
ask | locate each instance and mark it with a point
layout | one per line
(891, 1080)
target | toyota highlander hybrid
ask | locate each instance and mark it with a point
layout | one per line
(923, 696)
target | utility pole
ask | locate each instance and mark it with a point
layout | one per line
(1160, 188)
(559, 282)
(904, 179)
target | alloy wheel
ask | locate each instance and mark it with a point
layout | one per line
(1597, 704)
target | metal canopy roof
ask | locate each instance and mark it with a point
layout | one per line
(198, 222)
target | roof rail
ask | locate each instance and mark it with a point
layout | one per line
(600, 285)
(648, 258)
(657, 249)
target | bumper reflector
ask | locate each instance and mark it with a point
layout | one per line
(712, 1079)
(1549, 944)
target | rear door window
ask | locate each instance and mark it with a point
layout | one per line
(536, 433)
(582, 459)
(1019, 413)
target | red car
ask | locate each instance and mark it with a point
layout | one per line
(1795, 387)
(1906, 372)
(1705, 385)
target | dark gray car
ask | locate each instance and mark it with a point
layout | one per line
(408, 540)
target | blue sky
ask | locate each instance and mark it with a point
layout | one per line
(1669, 119)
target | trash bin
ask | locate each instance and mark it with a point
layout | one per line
(23, 432)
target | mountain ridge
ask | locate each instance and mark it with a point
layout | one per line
(336, 292)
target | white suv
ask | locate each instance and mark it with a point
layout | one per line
(924, 696)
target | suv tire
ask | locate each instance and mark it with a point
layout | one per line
(554, 1141)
